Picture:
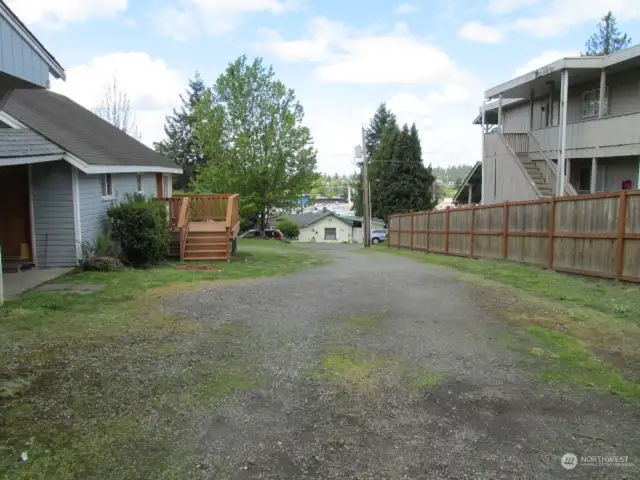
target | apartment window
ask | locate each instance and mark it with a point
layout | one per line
(591, 102)
(330, 234)
(107, 185)
(139, 183)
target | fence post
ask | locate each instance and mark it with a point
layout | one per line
(428, 216)
(446, 231)
(473, 228)
(551, 227)
(622, 228)
(505, 246)
(411, 234)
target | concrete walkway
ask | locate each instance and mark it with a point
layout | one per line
(15, 284)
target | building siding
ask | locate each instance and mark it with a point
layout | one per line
(93, 208)
(53, 214)
(17, 58)
(502, 178)
(315, 231)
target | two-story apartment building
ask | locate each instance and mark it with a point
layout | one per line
(581, 113)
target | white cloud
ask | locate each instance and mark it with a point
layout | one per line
(479, 32)
(559, 15)
(151, 101)
(545, 58)
(56, 14)
(506, 6)
(406, 8)
(212, 17)
(348, 56)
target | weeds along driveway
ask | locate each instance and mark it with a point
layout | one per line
(386, 368)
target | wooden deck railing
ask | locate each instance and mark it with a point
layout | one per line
(596, 235)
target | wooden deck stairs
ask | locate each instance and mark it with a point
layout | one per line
(204, 227)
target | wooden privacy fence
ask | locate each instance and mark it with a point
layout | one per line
(596, 235)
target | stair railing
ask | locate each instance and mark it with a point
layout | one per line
(183, 225)
(519, 163)
(551, 168)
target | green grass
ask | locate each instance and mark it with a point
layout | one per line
(104, 385)
(591, 326)
(358, 370)
(570, 359)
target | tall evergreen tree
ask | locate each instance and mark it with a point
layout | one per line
(405, 185)
(181, 143)
(373, 136)
(381, 166)
(608, 39)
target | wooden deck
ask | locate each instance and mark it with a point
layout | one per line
(203, 227)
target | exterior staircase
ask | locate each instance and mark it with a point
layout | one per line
(203, 227)
(534, 172)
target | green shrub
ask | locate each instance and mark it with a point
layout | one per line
(289, 228)
(140, 228)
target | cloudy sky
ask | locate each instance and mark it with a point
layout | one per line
(430, 60)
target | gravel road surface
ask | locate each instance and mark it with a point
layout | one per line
(378, 367)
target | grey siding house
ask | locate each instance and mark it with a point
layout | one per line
(63, 166)
(580, 116)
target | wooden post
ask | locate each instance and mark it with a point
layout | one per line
(428, 215)
(622, 227)
(551, 229)
(446, 230)
(473, 228)
(505, 222)
(411, 233)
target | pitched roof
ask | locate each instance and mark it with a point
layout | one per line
(306, 219)
(78, 130)
(25, 143)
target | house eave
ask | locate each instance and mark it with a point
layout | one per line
(54, 67)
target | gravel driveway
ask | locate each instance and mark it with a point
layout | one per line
(379, 367)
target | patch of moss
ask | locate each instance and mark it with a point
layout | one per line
(367, 322)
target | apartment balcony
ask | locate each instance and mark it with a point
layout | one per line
(610, 136)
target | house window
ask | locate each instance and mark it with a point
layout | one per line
(591, 102)
(106, 185)
(330, 234)
(139, 183)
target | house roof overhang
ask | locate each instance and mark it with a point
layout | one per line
(54, 67)
(474, 178)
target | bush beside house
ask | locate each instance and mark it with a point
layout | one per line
(288, 228)
(140, 228)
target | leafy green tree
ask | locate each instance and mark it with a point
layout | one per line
(608, 39)
(251, 123)
(181, 144)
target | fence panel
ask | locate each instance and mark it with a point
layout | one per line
(460, 231)
(528, 239)
(631, 256)
(596, 235)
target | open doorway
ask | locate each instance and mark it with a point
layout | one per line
(15, 218)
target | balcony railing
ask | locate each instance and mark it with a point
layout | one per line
(611, 131)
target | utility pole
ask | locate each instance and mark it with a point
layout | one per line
(365, 193)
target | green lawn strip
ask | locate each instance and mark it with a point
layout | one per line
(102, 385)
(569, 359)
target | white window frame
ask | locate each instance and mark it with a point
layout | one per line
(167, 185)
(140, 183)
(330, 239)
(591, 108)
(106, 180)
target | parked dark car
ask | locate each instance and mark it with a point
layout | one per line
(268, 233)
